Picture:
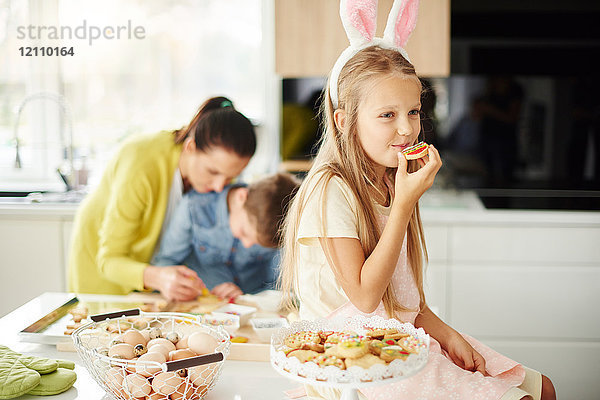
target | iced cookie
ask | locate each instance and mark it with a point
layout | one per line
(366, 361)
(391, 353)
(303, 355)
(331, 349)
(323, 360)
(352, 347)
(319, 348)
(411, 344)
(378, 334)
(298, 339)
(375, 347)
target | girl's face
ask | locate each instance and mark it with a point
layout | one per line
(211, 169)
(388, 118)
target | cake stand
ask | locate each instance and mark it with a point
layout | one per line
(353, 378)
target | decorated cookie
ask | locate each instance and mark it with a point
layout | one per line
(395, 336)
(352, 347)
(366, 361)
(391, 353)
(298, 339)
(375, 347)
(323, 360)
(303, 355)
(319, 348)
(331, 349)
(411, 344)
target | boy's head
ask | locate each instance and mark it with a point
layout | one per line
(257, 212)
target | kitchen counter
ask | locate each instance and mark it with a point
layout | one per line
(239, 380)
(437, 206)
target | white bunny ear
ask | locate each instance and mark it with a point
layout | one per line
(401, 22)
(359, 18)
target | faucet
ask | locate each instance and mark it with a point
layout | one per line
(66, 142)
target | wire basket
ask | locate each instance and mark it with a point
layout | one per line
(149, 377)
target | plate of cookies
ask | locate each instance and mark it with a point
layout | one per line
(350, 352)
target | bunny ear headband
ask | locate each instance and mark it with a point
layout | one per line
(359, 18)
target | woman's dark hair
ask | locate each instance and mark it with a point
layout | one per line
(218, 124)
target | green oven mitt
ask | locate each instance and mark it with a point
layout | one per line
(21, 374)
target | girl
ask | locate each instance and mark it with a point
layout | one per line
(353, 241)
(118, 225)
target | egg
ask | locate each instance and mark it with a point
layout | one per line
(114, 377)
(202, 343)
(181, 354)
(200, 391)
(139, 350)
(163, 342)
(182, 343)
(121, 350)
(137, 385)
(202, 375)
(185, 391)
(166, 382)
(146, 334)
(144, 368)
(173, 337)
(155, 333)
(133, 337)
(156, 396)
(159, 348)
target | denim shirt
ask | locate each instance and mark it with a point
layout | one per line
(199, 236)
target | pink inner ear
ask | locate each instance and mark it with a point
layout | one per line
(363, 14)
(407, 21)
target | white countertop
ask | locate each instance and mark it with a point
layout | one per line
(239, 380)
(437, 206)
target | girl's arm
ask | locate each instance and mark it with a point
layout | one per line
(459, 350)
(365, 280)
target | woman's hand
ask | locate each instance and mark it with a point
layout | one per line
(227, 290)
(410, 187)
(464, 355)
(175, 282)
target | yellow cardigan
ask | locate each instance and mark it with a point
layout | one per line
(118, 225)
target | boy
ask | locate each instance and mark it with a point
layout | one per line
(230, 238)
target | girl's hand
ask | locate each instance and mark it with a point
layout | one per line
(410, 187)
(175, 282)
(464, 355)
(227, 290)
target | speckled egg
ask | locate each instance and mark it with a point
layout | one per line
(173, 337)
(155, 333)
(139, 350)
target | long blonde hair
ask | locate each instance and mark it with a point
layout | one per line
(340, 154)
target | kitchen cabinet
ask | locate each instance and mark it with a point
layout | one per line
(34, 247)
(526, 284)
(309, 37)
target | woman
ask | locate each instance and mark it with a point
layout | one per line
(118, 225)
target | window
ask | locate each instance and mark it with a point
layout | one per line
(112, 87)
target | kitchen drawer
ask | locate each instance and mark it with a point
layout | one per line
(525, 302)
(436, 239)
(573, 367)
(435, 288)
(553, 244)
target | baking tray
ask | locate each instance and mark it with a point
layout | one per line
(51, 327)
